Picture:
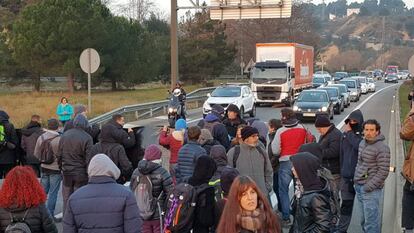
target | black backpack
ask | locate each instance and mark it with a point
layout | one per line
(47, 156)
(18, 225)
(237, 154)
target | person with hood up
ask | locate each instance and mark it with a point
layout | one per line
(102, 205)
(110, 145)
(351, 138)
(204, 213)
(212, 122)
(206, 140)
(286, 144)
(161, 182)
(22, 196)
(371, 171)
(247, 210)
(218, 154)
(233, 120)
(252, 160)
(30, 134)
(64, 111)
(173, 139)
(312, 208)
(188, 155)
(8, 144)
(74, 149)
(92, 130)
(114, 129)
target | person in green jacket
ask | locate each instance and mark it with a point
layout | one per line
(64, 111)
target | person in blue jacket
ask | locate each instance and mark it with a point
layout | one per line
(64, 111)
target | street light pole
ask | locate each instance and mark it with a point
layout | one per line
(174, 44)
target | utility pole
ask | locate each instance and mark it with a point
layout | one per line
(174, 44)
(383, 43)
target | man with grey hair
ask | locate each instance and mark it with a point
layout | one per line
(74, 147)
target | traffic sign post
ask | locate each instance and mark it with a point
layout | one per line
(89, 61)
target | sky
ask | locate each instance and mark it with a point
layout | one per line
(164, 5)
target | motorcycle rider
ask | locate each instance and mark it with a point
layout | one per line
(181, 94)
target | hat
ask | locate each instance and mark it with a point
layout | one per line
(102, 165)
(248, 131)
(227, 177)
(217, 109)
(180, 124)
(152, 152)
(322, 121)
(79, 108)
(52, 124)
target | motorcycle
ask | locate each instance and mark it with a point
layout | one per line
(175, 108)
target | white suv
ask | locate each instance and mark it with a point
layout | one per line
(239, 95)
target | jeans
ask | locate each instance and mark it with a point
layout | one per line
(51, 184)
(70, 185)
(369, 204)
(408, 207)
(285, 177)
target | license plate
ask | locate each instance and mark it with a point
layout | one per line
(306, 114)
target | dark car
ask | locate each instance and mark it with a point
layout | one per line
(312, 103)
(336, 98)
(340, 75)
(319, 81)
(391, 78)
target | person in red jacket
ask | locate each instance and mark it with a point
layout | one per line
(173, 139)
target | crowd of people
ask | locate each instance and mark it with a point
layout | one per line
(220, 176)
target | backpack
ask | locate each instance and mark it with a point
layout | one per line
(218, 191)
(18, 225)
(47, 156)
(147, 204)
(3, 141)
(237, 154)
(181, 207)
(334, 200)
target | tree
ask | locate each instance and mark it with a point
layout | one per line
(50, 36)
(338, 8)
(393, 7)
(203, 47)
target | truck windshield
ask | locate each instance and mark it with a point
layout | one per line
(269, 75)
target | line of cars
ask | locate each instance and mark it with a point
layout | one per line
(330, 96)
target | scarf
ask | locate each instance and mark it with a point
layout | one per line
(251, 220)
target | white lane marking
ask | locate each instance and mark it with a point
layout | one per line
(342, 123)
(192, 121)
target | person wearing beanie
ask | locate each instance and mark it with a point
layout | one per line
(51, 176)
(73, 156)
(161, 180)
(213, 122)
(233, 120)
(329, 141)
(180, 124)
(251, 159)
(64, 111)
(285, 144)
(30, 134)
(206, 140)
(102, 205)
(312, 196)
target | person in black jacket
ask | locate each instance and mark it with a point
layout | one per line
(312, 208)
(204, 213)
(110, 145)
(114, 129)
(92, 130)
(274, 125)
(74, 148)
(233, 120)
(213, 122)
(30, 134)
(329, 142)
(161, 185)
(22, 195)
(8, 145)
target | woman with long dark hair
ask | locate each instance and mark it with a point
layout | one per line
(247, 210)
(23, 198)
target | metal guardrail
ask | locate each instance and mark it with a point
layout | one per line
(151, 109)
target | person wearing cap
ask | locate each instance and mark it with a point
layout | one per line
(286, 143)
(173, 139)
(64, 111)
(213, 122)
(161, 181)
(233, 120)
(351, 138)
(102, 205)
(329, 142)
(188, 155)
(51, 176)
(252, 160)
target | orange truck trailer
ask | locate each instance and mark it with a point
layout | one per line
(281, 71)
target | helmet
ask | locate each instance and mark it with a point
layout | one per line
(177, 92)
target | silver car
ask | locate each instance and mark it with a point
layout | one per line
(343, 90)
(371, 85)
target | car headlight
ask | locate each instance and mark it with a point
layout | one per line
(206, 106)
(324, 109)
(354, 93)
(171, 110)
(295, 108)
